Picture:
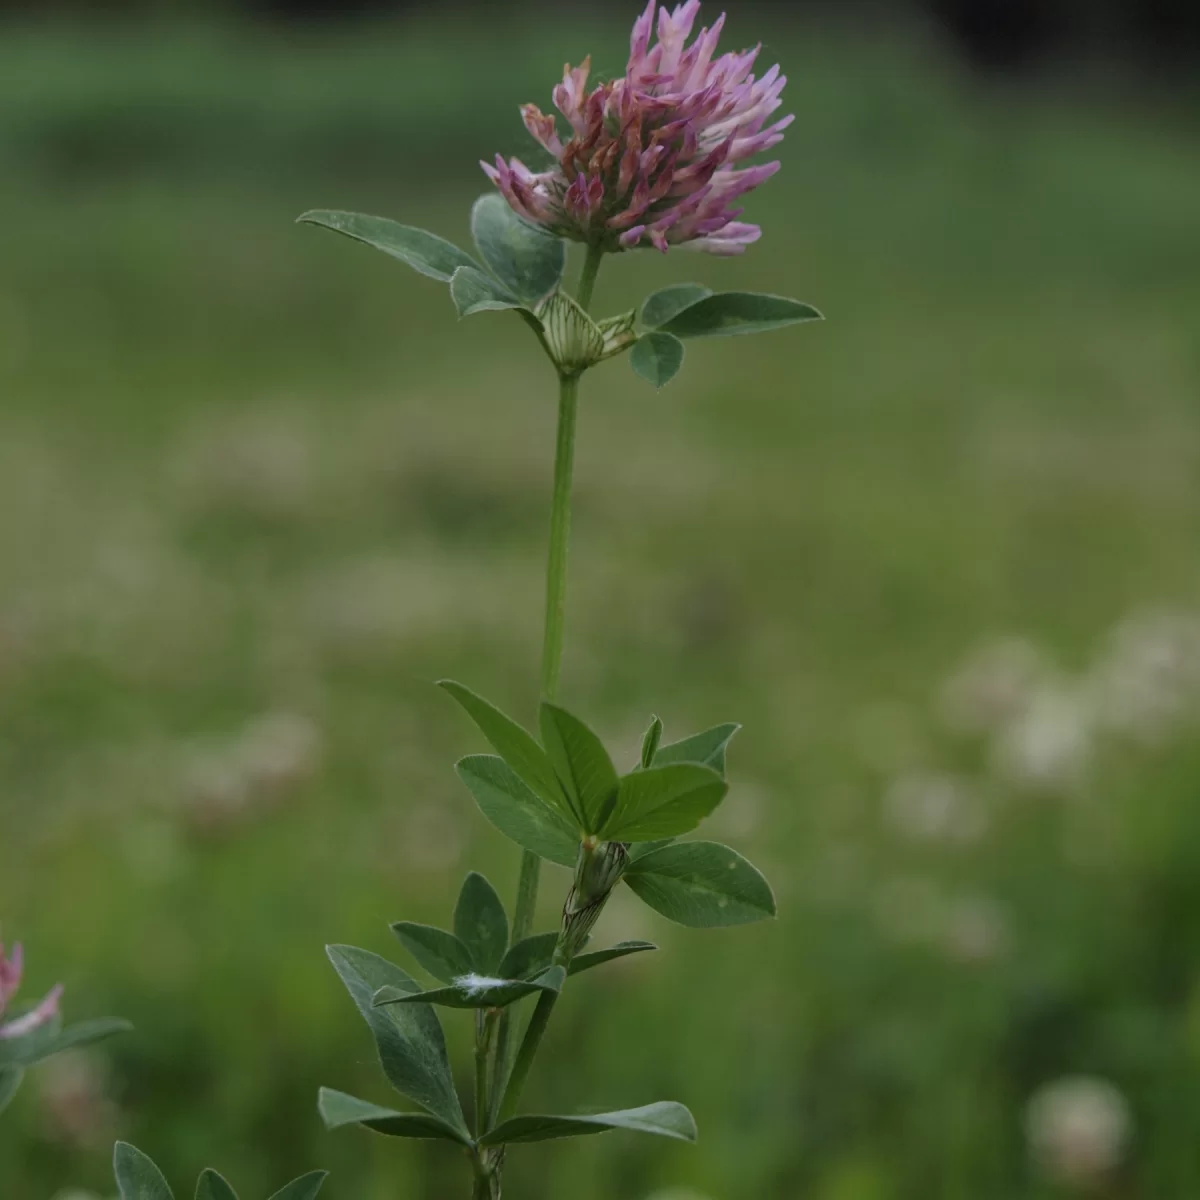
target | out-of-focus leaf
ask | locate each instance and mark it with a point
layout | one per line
(10, 1081)
(304, 1188)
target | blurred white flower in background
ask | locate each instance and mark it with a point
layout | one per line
(1078, 1129)
(1049, 743)
(268, 757)
(73, 1094)
(934, 808)
(993, 686)
(975, 930)
(1147, 678)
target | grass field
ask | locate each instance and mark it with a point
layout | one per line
(258, 489)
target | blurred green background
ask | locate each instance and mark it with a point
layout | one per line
(258, 488)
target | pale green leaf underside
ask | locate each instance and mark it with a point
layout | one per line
(424, 252)
(701, 885)
(514, 810)
(664, 802)
(137, 1176)
(408, 1038)
(528, 261)
(304, 1188)
(213, 1186)
(657, 358)
(707, 748)
(665, 1119)
(472, 291)
(659, 307)
(729, 313)
(339, 1109)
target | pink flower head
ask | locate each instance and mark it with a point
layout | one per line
(10, 981)
(655, 157)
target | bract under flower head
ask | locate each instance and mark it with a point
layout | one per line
(655, 157)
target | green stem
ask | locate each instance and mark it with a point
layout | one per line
(529, 1048)
(552, 642)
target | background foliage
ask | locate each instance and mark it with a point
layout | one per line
(258, 490)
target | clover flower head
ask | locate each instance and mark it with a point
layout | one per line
(11, 968)
(656, 157)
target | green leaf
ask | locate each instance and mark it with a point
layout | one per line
(666, 1119)
(595, 958)
(10, 1081)
(34, 1049)
(304, 1188)
(729, 313)
(514, 810)
(664, 802)
(657, 358)
(701, 885)
(707, 748)
(514, 744)
(481, 923)
(412, 1048)
(472, 291)
(659, 307)
(527, 260)
(477, 991)
(212, 1186)
(581, 763)
(530, 956)
(650, 741)
(424, 252)
(442, 954)
(338, 1109)
(137, 1177)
